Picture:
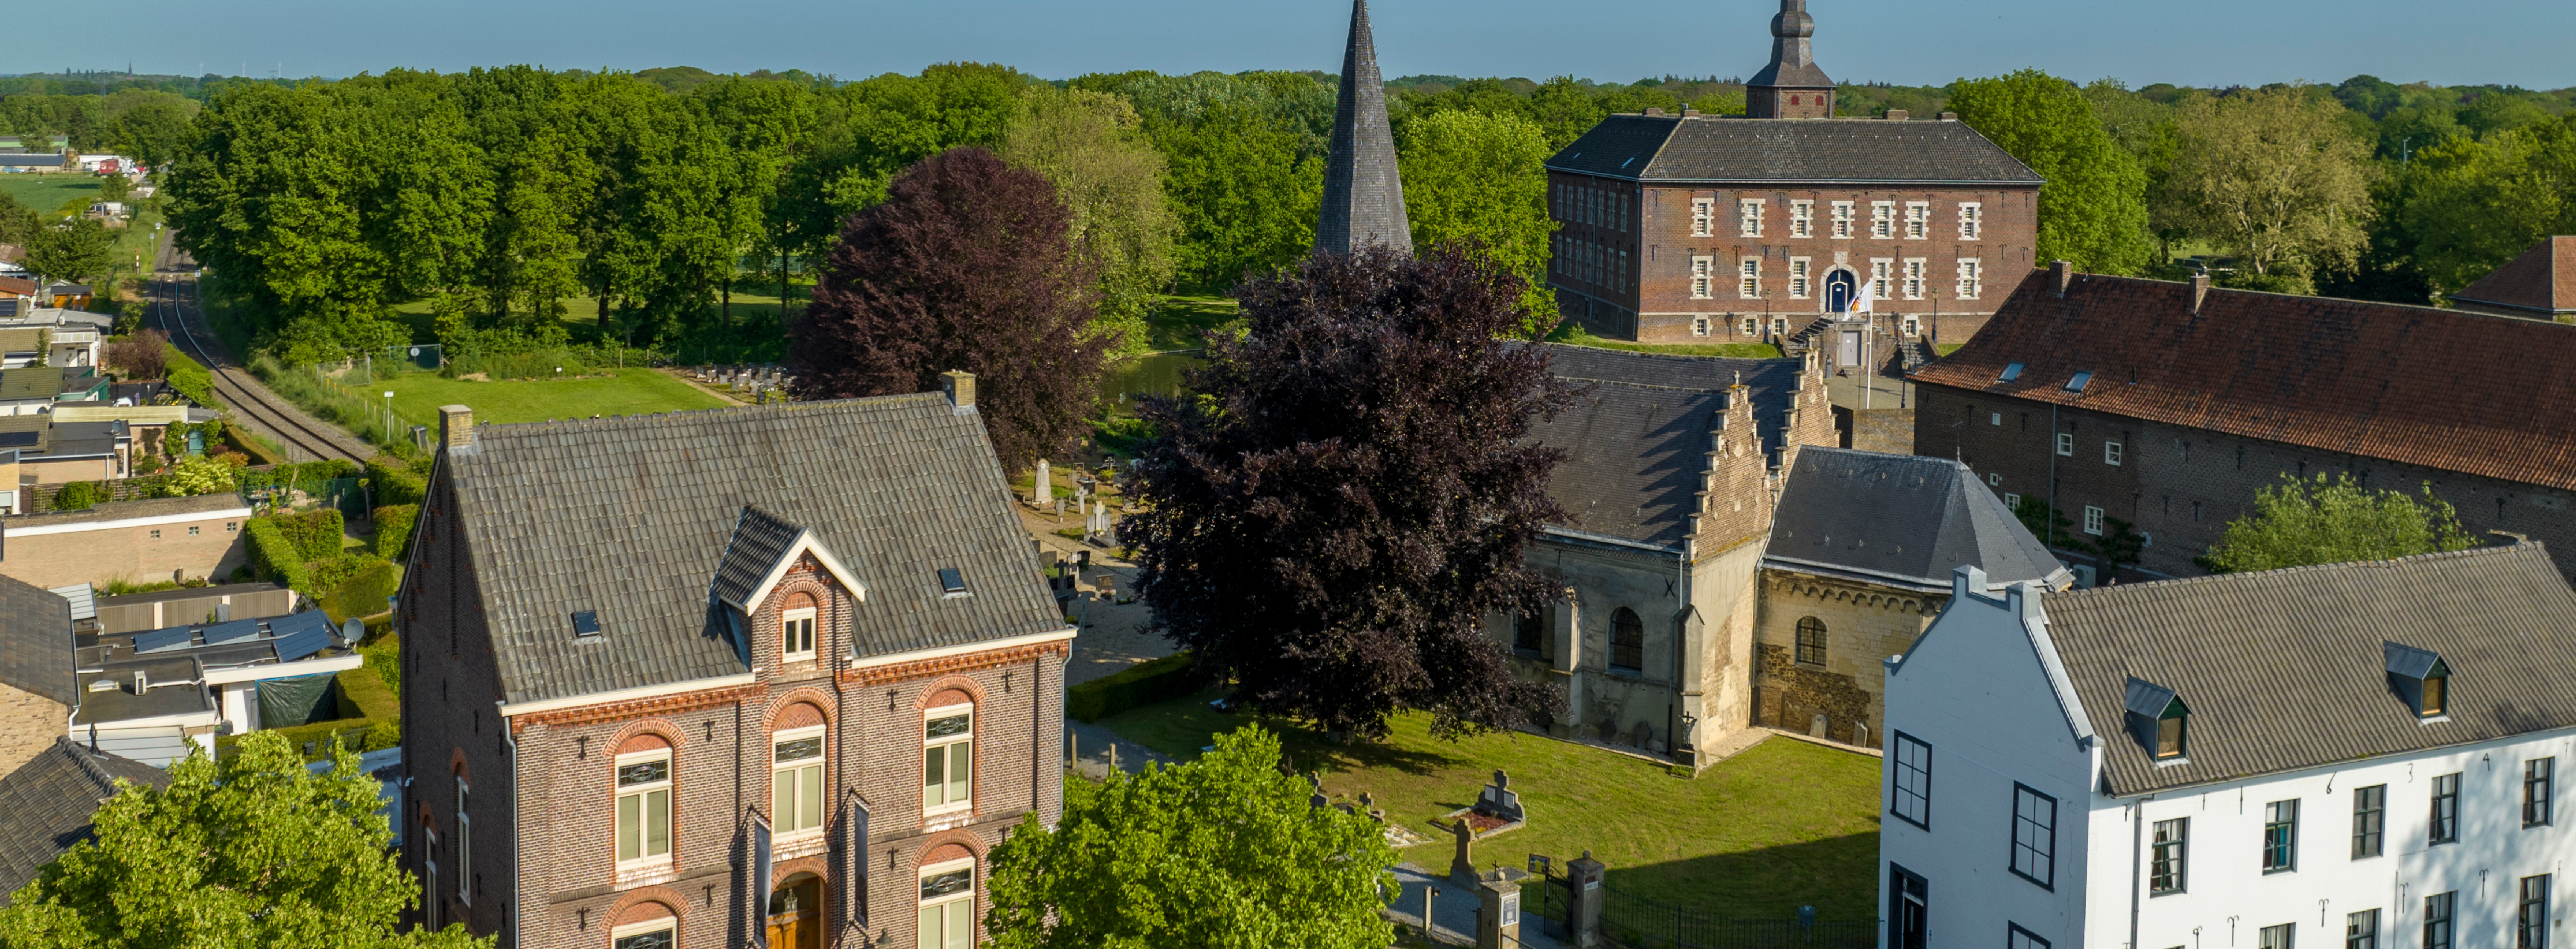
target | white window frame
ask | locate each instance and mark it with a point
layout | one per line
(1842, 221)
(2093, 520)
(1749, 213)
(788, 628)
(2012, 500)
(1779, 326)
(941, 904)
(2110, 452)
(1703, 214)
(1972, 220)
(1801, 271)
(1749, 278)
(1802, 218)
(1752, 326)
(464, 843)
(1918, 220)
(1703, 277)
(643, 795)
(1913, 282)
(948, 803)
(787, 775)
(1971, 278)
(1699, 326)
(2066, 444)
(666, 924)
(1882, 220)
(1882, 274)
(1913, 325)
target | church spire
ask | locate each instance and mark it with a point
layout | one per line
(1790, 87)
(1363, 196)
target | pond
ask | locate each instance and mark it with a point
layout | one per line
(1150, 374)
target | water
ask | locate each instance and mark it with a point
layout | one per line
(1155, 374)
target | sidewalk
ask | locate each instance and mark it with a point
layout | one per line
(1113, 635)
(1453, 910)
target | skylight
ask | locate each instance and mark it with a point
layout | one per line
(951, 582)
(585, 624)
(2011, 373)
(2077, 384)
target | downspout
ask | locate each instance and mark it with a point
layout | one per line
(1681, 647)
(517, 914)
(2137, 850)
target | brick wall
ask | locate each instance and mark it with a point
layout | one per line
(29, 723)
(451, 725)
(131, 553)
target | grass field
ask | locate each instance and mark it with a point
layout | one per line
(1572, 334)
(1178, 321)
(1783, 825)
(52, 194)
(417, 396)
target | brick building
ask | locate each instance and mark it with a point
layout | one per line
(2167, 405)
(1693, 228)
(2539, 285)
(697, 678)
(154, 539)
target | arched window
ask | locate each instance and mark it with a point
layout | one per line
(947, 919)
(643, 802)
(1811, 641)
(1627, 640)
(948, 756)
(796, 629)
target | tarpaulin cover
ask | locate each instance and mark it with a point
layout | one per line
(285, 703)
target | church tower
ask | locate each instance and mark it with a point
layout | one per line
(1363, 196)
(1790, 87)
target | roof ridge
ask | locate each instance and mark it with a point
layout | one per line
(82, 758)
(490, 429)
(2248, 575)
(1639, 385)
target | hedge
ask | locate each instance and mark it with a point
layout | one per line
(189, 377)
(365, 694)
(393, 530)
(394, 481)
(316, 533)
(1142, 684)
(274, 557)
(364, 594)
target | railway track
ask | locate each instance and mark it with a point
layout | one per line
(250, 401)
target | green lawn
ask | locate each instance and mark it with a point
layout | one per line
(417, 396)
(1572, 334)
(1944, 349)
(52, 194)
(1784, 825)
(1178, 321)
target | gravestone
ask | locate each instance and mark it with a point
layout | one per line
(1462, 868)
(1319, 800)
(1498, 800)
(1645, 736)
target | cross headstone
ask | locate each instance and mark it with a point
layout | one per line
(1462, 869)
(1317, 780)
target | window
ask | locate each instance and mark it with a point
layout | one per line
(2169, 735)
(2361, 930)
(2536, 776)
(947, 758)
(1699, 326)
(192, 530)
(2446, 810)
(2274, 937)
(1913, 325)
(1702, 210)
(2437, 920)
(1972, 219)
(1843, 219)
(1882, 273)
(2110, 453)
(232, 526)
(796, 632)
(951, 581)
(156, 533)
(1623, 271)
(1752, 325)
(1995, 480)
(1911, 798)
(2016, 937)
(2437, 695)
(1995, 419)
(2034, 842)
(1526, 633)
(2168, 867)
(2280, 836)
(1627, 640)
(1882, 219)
(464, 846)
(657, 934)
(2011, 372)
(1970, 279)
(644, 808)
(1751, 286)
(796, 781)
(1701, 274)
(1913, 284)
(2012, 500)
(1811, 641)
(2369, 821)
(2066, 444)
(2078, 381)
(1802, 219)
(1798, 277)
(2092, 519)
(1918, 217)
(2531, 921)
(1749, 217)
(948, 905)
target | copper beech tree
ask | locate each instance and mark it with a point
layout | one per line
(967, 264)
(1334, 514)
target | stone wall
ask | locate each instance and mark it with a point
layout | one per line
(29, 723)
(1864, 623)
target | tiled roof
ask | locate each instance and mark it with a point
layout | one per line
(2542, 280)
(21, 339)
(1773, 381)
(2287, 669)
(36, 641)
(30, 382)
(1729, 149)
(1903, 517)
(47, 805)
(17, 285)
(1637, 443)
(2464, 392)
(630, 517)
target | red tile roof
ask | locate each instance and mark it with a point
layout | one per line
(2465, 392)
(2542, 279)
(17, 286)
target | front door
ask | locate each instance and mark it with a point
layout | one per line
(1905, 911)
(1849, 353)
(1840, 288)
(796, 914)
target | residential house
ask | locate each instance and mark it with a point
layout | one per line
(18, 292)
(69, 296)
(699, 678)
(36, 684)
(47, 805)
(160, 609)
(151, 695)
(177, 538)
(2539, 285)
(57, 451)
(2360, 754)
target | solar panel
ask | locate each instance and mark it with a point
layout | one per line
(227, 632)
(283, 626)
(162, 640)
(303, 643)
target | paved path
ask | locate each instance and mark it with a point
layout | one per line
(1113, 635)
(1453, 910)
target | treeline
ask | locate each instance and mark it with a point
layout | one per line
(147, 125)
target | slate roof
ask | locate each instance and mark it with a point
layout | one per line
(2286, 669)
(36, 641)
(2542, 280)
(1729, 149)
(2466, 392)
(1907, 518)
(1637, 443)
(759, 541)
(47, 805)
(631, 517)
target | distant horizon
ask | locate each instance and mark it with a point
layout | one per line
(2197, 43)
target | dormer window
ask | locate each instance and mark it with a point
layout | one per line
(2159, 720)
(2420, 678)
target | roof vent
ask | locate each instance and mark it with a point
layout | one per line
(2011, 372)
(2420, 677)
(142, 683)
(585, 624)
(2078, 383)
(102, 685)
(951, 582)
(2157, 718)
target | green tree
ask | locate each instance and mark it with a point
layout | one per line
(1478, 179)
(2333, 519)
(1092, 147)
(1245, 165)
(193, 475)
(251, 851)
(18, 224)
(1225, 851)
(114, 187)
(149, 127)
(2093, 209)
(2274, 176)
(75, 250)
(2470, 206)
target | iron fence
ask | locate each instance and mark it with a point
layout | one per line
(1635, 922)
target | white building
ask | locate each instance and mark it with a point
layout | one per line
(2364, 755)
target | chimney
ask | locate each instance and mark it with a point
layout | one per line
(960, 387)
(142, 683)
(455, 426)
(1949, 116)
(2060, 275)
(1651, 110)
(1688, 113)
(1898, 115)
(2199, 291)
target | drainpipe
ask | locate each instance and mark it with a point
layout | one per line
(2049, 539)
(2137, 849)
(1681, 604)
(510, 746)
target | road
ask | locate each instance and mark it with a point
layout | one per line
(177, 310)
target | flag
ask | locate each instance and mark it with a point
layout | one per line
(1860, 301)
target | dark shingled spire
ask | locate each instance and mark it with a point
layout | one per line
(1363, 196)
(1790, 86)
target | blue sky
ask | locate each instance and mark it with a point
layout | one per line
(2196, 42)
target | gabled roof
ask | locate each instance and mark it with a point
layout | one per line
(1903, 518)
(764, 548)
(2466, 392)
(2287, 669)
(632, 518)
(47, 805)
(1729, 149)
(36, 641)
(2542, 281)
(1637, 443)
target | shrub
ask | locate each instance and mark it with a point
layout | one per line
(393, 529)
(316, 534)
(193, 475)
(188, 378)
(1142, 684)
(394, 481)
(330, 574)
(385, 733)
(274, 557)
(385, 657)
(363, 593)
(143, 355)
(80, 496)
